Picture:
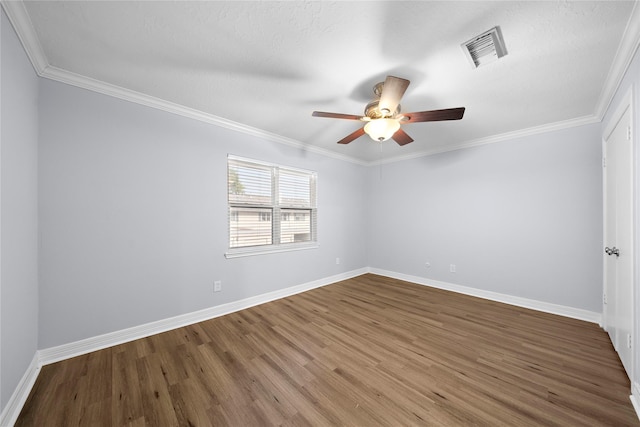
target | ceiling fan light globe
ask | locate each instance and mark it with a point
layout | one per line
(381, 129)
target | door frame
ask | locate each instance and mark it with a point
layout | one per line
(626, 104)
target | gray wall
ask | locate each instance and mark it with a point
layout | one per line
(18, 211)
(522, 217)
(133, 216)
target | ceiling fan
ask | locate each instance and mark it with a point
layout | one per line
(382, 115)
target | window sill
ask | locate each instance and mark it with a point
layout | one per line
(244, 252)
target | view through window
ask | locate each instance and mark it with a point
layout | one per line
(270, 206)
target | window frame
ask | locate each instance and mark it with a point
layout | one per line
(276, 211)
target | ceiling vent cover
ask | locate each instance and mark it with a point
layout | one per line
(485, 48)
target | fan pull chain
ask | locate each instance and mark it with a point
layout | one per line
(380, 166)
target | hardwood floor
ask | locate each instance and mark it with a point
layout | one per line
(368, 351)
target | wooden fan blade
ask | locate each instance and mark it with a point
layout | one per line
(434, 115)
(401, 137)
(336, 115)
(355, 135)
(392, 91)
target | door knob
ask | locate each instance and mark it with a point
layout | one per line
(612, 251)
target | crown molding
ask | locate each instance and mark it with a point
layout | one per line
(73, 79)
(19, 18)
(624, 55)
(21, 22)
(63, 76)
(508, 136)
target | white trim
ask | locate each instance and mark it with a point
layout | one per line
(94, 85)
(275, 206)
(625, 103)
(19, 18)
(269, 164)
(625, 106)
(22, 24)
(508, 136)
(2, 410)
(88, 83)
(23, 27)
(605, 296)
(19, 397)
(77, 348)
(268, 249)
(622, 60)
(561, 310)
(635, 392)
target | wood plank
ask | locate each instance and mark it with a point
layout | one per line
(365, 351)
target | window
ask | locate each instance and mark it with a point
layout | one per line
(265, 216)
(271, 207)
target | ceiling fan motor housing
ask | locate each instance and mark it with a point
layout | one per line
(372, 110)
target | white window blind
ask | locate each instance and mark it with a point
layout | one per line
(271, 207)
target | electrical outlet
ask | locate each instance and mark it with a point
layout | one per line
(337, 261)
(452, 268)
(628, 340)
(217, 286)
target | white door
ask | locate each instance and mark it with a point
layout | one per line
(618, 239)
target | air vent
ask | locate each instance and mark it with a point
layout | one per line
(485, 48)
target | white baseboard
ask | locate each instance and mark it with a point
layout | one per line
(46, 356)
(77, 348)
(635, 395)
(21, 393)
(54, 354)
(574, 313)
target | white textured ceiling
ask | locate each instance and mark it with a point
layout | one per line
(268, 65)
